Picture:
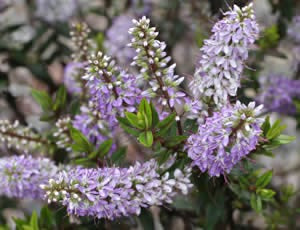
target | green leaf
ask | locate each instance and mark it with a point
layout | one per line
(266, 125)
(75, 107)
(275, 130)
(118, 156)
(61, 97)
(175, 140)
(155, 118)
(19, 223)
(162, 156)
(167, 121)
(104, 148)
(284, 139)
(145, 109)
(263, 151)
(47, 218)
(133, 120)
(165, 124)
(84, 161)
(42, 98)
(264, 179)
(146, 138)
(256, 202)
(34, 221)
(124, 123)
(266, 194)
(81, 142)
(190, 126)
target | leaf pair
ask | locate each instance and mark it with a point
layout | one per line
(50, 107)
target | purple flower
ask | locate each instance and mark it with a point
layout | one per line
(72, 77)
(21, 176)
(277, 94)
(92, 125)
(225, 138)
(222, 57)
(114, 91)
(115, 192)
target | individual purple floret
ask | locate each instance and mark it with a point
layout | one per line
(72, 77)
(115, 192)
(117, 38)
(277, 94)
(92, 125)
(22, 175)
(113, 90)
(219, 70)
(225, 138)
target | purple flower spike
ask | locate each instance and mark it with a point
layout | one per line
(21, 176)
(115, 192)
(225, 138)
(222, 57)
(277, 94)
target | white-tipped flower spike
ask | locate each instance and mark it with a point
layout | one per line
(62, 133)
(221, 64)
(154, 64)
(20, 138)
(112, 89)
(115, 192)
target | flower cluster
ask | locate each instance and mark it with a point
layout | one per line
(56, 10)
(116, 46)
(13, 135)
(225, 138)
(22, 175)
(277, 94)
(112, 89)
(154, 64)
(92, 125)
(222, 57)
(63, 133)
(114, 192)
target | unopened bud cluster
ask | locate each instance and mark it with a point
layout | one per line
(80, 37)
(62, 133)
(154, 64)
(15, 136)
